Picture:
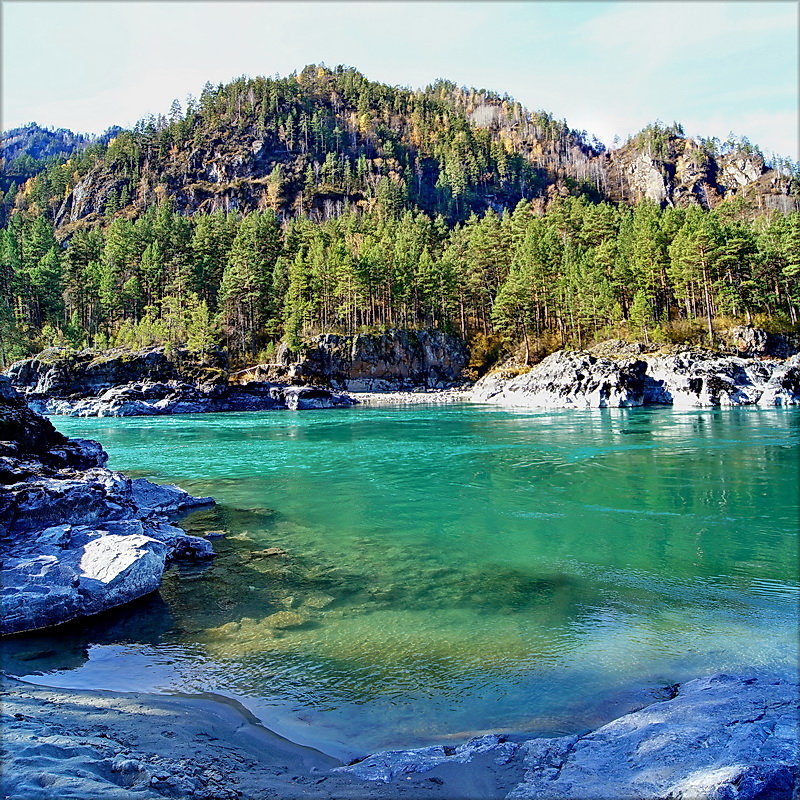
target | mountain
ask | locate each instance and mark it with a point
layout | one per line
(322, 141)
(280, 208)
(30, 149)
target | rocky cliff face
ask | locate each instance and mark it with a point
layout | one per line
(681, 172)
(689, 378)
(390, 361)
(235, 171)
(122, 383)
(63, 373)
(76, 538)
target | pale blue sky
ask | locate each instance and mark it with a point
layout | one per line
(608, 68)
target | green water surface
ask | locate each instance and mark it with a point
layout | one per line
(398, 576)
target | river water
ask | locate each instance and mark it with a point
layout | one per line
(404, 575)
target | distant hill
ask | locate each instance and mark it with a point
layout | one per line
(31, 149)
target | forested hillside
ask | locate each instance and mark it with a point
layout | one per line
(31, 150)
(273, 208)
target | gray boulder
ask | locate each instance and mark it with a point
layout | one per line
(67, 572)
(76, 538)
(391, 764)
(568, 380)
(164, 498)
(720, 738)
(76, 546)
(42, 502)
(305, 398)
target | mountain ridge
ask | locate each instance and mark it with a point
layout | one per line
(323, 141)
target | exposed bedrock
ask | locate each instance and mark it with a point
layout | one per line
(76, 538)
(691, 378)
(172, 397)
(60, 372)
(723, 737)
(122, 383)
(395, 360)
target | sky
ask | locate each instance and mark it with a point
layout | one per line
(609, 68)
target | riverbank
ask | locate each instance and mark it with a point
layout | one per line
(715, 737)
(434, 397)
(62, 743)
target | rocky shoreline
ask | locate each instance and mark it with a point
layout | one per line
(147, 399)
(684, 379)
(412, 397)
(404, 368)
(158, 381)
(722, 737)
(76, 538)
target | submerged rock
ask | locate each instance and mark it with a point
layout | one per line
(164, 498)
(690, 378)
(76, 538)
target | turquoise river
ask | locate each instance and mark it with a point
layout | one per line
(396, 576)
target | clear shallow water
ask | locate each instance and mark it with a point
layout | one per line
(445, 571)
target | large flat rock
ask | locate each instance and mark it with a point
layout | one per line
(77, 539)
(723, 737)
(719, 738)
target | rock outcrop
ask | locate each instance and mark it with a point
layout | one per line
(750, 342)
(77, 538)
(720, 737)
(153, 399)
(688, 378)
(64, 373)
(668, 168)
(717, 738)
(123, 383)
(568, 380)
(392, 361)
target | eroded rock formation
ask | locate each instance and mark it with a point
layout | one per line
(719, 737)
(77, 538)
(687, 378)
(391, 361)
(122, 383)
